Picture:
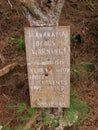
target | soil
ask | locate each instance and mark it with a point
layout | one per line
(82, 16)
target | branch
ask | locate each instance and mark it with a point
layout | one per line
(8, 68)
(10, 4)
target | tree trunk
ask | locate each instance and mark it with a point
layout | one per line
(43, 12)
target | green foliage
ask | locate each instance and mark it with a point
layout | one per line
(24, 112)
(77, 110)
(21, 43)
(27, 129)
(7, 128)
(47, 120)
(21, 108)
(82, 69)
(45, 109)
(87, 66)
(25, 118)
(55, 123)
(31, 111)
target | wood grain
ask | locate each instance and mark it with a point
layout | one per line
(48, 63)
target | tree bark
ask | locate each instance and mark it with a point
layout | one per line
(43, 12)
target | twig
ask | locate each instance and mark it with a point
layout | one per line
(10, 4)
(8, 68)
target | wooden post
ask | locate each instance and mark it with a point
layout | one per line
(48, 54)
(43, 12)
(48, 61)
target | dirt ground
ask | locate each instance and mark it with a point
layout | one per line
(82, 16)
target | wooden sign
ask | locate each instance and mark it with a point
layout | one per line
(48, 63)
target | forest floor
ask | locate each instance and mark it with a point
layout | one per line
(82, 16)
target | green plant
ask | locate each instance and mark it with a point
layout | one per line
(77, 110)
(7, 128)
(47, 120)
(21, 43)
(82, 69)
(24, 112)
(87, 66)
(73, 115)
(55, 123)
(27, 129)
(31, 111)
(21, 108)
(25, 118)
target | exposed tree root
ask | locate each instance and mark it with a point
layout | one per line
(8, 68)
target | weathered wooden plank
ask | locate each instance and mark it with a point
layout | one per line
(48, 63)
